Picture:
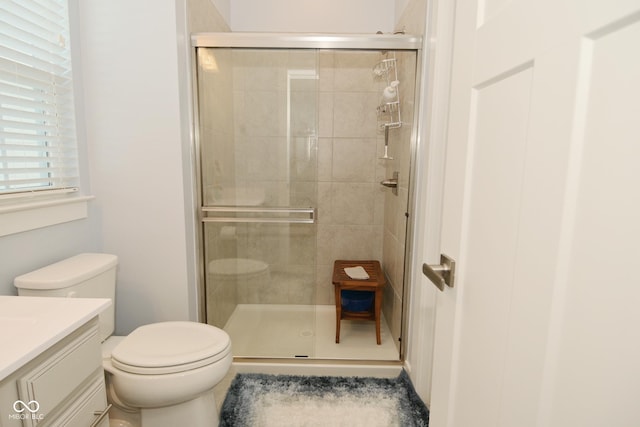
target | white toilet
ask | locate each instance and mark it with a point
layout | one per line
(160, 375)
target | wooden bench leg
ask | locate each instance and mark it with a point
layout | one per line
(378, 306)
(338, 313)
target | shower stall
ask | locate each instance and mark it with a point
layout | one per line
(304, 150)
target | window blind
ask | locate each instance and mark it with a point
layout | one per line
(37, 118)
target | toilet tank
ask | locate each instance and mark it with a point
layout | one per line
(82, 276)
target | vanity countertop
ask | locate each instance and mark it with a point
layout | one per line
(30, 325)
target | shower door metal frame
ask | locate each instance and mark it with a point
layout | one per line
(257, 40)
(308, 41)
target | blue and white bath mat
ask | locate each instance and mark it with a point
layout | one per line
(259, 400)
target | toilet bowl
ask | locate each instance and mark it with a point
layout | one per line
(168, 364)
(161, 374)
(249, 277)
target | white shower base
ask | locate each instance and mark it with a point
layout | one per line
(305, 331)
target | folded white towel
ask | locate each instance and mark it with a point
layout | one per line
(357, 272)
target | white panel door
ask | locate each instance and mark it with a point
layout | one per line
(542, 213)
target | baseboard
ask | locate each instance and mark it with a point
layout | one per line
(350, 368)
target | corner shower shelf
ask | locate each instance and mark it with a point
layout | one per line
(389, 110)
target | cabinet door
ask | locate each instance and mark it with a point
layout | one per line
(88, 409)
(50, 383)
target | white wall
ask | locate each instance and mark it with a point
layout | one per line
(27, 251)
(132, 112)
(135, 60)
(224, 9)
(400, 6)
(326, 16)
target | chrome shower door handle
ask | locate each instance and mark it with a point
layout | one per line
(441, 274)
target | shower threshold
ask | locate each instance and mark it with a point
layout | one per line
(304, 332)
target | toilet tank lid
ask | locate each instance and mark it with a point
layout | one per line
(67, 272)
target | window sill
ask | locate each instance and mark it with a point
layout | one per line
(31, 215)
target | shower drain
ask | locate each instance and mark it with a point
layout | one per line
(306, 333)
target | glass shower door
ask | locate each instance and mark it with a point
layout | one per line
(258, 166)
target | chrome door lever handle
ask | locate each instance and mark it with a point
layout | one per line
(441, 274)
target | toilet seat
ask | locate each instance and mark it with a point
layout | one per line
(170, 347)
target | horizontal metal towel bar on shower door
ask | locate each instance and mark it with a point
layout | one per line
(275, 211)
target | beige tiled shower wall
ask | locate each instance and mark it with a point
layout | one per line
(350, 200)
(396, 207)
(357, 217)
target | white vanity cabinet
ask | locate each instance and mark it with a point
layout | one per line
(62, 386)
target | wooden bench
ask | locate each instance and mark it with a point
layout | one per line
(375, 283)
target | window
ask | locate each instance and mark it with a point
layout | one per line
(37, 120)
(38, 152)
